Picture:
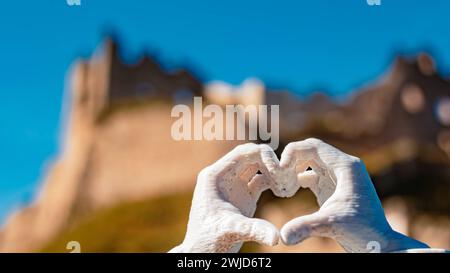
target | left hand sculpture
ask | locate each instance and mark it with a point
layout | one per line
(224, 200)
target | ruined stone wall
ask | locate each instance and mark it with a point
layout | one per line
(112, 151)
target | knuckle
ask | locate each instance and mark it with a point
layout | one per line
(245, 148)
(313, 140)
(304, 143)
(293, 146)
(249, 145)
(265, 147)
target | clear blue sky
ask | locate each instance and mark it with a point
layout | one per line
(304, 45)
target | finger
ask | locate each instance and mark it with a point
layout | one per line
(243, 229)
(304, 154)
(320, 185)
(308, 179)
(269, 158)
(304, 227)
(257, 185)
(315, 150)
(246, 156)
(323, 158)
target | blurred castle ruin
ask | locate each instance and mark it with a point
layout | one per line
(117, 145)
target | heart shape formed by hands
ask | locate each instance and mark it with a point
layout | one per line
(227, 192)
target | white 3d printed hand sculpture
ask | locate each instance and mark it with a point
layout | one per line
(350, 211)
(224, 200)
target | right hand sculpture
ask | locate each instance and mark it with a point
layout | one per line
(350, 211)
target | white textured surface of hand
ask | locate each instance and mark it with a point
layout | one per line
(350, 210)
(225, 200)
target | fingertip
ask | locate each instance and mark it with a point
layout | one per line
(257, 185)
(307, 179)
(265, 232)
(287, 236)
(288, 239)
(273, 237)
(291, 234)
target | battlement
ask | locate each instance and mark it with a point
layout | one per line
(103, 80)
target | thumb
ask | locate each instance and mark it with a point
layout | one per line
(303, 227)
(257, 185)
(251, 229)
